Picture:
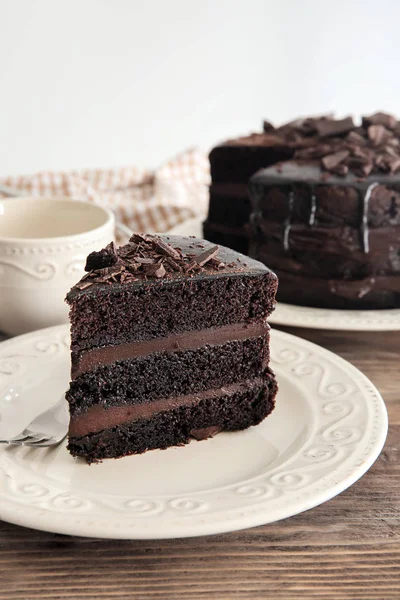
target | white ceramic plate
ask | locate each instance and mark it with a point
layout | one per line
(317, 318)
(346, 320)
(329, 426)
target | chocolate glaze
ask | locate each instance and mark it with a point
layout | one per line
(340, 227)
(364, 221)
(190, 340)
(288, 222)
(98, 418)
(234, 264)
(329, 198)
(329, 251)
(313, 208)
(367, 293)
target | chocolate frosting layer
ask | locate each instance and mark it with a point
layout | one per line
(369, 293)
(330, 251)
(97, 418)
(323, 198)
(173, 343)
(354, 213)
(160, 260)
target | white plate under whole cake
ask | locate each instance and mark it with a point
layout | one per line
(317, 318)
(328, 427)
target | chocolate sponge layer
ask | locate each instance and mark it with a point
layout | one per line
(121, 314)
(230, 412)
(167, 374)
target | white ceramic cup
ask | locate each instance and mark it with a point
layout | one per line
(43, 247)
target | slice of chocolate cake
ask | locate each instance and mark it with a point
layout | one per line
(169, 341)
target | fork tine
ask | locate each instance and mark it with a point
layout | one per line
(18, 439)
(52, 441)
(37, 440)
(54, 420)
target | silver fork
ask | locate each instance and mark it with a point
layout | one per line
(47, 429)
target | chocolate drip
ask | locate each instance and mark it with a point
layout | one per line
(364, 219)
(313, 207)
(288, 224)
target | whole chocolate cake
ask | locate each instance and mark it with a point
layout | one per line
(327, 220)
(169, 341)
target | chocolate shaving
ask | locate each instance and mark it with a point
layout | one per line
(202, 258)
(138, 238)
(104, 258)
(360, 166)
(216, 262)
(335, 142)
(82, 285)
(165, 248)
(143, 260)
(393, 141)
(329, 127)
(172, 263)
(268, 127)
(340, 170)
(313, 152)
(331, 161)
(156, 270)
(356, 138)
(377, 134)
(147, 256)
(395, 165)
(380, 118)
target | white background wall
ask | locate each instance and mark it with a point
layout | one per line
(112, 82)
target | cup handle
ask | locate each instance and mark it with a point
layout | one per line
(123, 231)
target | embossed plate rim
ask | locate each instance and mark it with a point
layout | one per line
(348, 443)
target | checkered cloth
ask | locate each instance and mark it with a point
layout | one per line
(142, 200)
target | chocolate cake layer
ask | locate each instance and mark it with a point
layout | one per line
(328, 252)
(230, 409)
(307, 223)
(139, 307)
(302, 193)
(229, 204)
(369, 293)
(191, 340)
(97, 418)
(235, 161)
(164, 374)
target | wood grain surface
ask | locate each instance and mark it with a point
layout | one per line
(347, 548)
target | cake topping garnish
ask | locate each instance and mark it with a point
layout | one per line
(164, 248)
(106, 257)
(203, 258)
(146, 256)
(341, 146)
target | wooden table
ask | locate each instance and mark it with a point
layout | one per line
(348, 548)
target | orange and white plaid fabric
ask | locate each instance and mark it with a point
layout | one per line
(142, 200)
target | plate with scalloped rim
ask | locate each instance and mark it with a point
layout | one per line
(316, 318)
(327, 429)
